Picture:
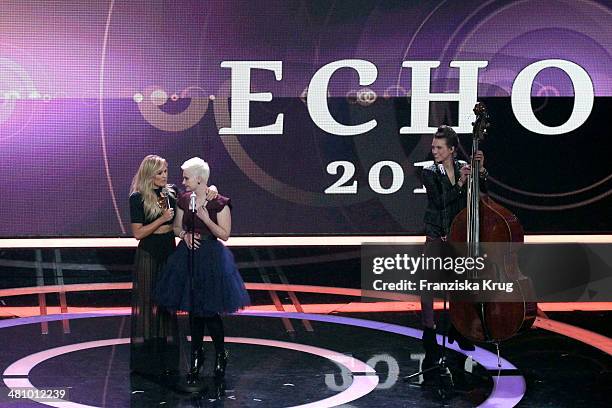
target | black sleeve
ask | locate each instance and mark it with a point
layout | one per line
(434, 195)
(137, 215)
(434, 190)
(433, 231)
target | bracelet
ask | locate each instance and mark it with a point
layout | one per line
(182, 234)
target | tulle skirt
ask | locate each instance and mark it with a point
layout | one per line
(217, 284)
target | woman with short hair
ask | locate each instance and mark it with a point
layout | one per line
(218, 287)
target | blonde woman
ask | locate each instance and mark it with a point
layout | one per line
(152, 208)
(217, 285)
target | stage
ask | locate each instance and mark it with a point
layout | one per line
(353, 156)
(308, 340)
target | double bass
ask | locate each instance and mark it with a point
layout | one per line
(485, 221)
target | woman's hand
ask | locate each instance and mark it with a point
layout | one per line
(464, 173)
(211, 193)
(203, 214)
(480, 157)
(196, 240)
(167, 215)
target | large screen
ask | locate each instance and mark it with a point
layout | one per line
(315, 116)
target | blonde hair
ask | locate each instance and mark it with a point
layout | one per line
(143, 184)
(199, 167)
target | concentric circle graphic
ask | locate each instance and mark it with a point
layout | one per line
(476, 33)
(16, 87)
(361, 385)
(583, 17)
(509, 387)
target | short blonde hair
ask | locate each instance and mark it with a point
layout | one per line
(199, 167)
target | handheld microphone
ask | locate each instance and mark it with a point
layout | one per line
(166, 194)
(192, 202)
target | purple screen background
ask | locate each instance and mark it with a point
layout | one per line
(87, 89)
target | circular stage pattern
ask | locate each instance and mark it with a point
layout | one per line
(509, 387)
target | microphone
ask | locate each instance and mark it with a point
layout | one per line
(166, 194)
(192, 202)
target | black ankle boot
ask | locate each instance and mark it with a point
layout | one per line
(430, 367)
(221, 363)
(464, 344)
(219, 390)
(430, 344)
(197, 361)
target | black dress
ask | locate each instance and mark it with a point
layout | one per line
(154, 330)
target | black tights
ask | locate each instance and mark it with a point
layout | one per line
(215, 328)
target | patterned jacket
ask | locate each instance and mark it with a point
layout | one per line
(444, 200)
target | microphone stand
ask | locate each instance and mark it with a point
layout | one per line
(193, 209)
(198, 386)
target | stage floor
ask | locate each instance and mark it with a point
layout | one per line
(307, 341)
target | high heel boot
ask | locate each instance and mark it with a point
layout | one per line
(430, 344)
(464, 344)
(432, 354)
(221, 363)
(219, 390)
(197, 361)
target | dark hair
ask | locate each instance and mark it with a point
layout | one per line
(447, 133)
